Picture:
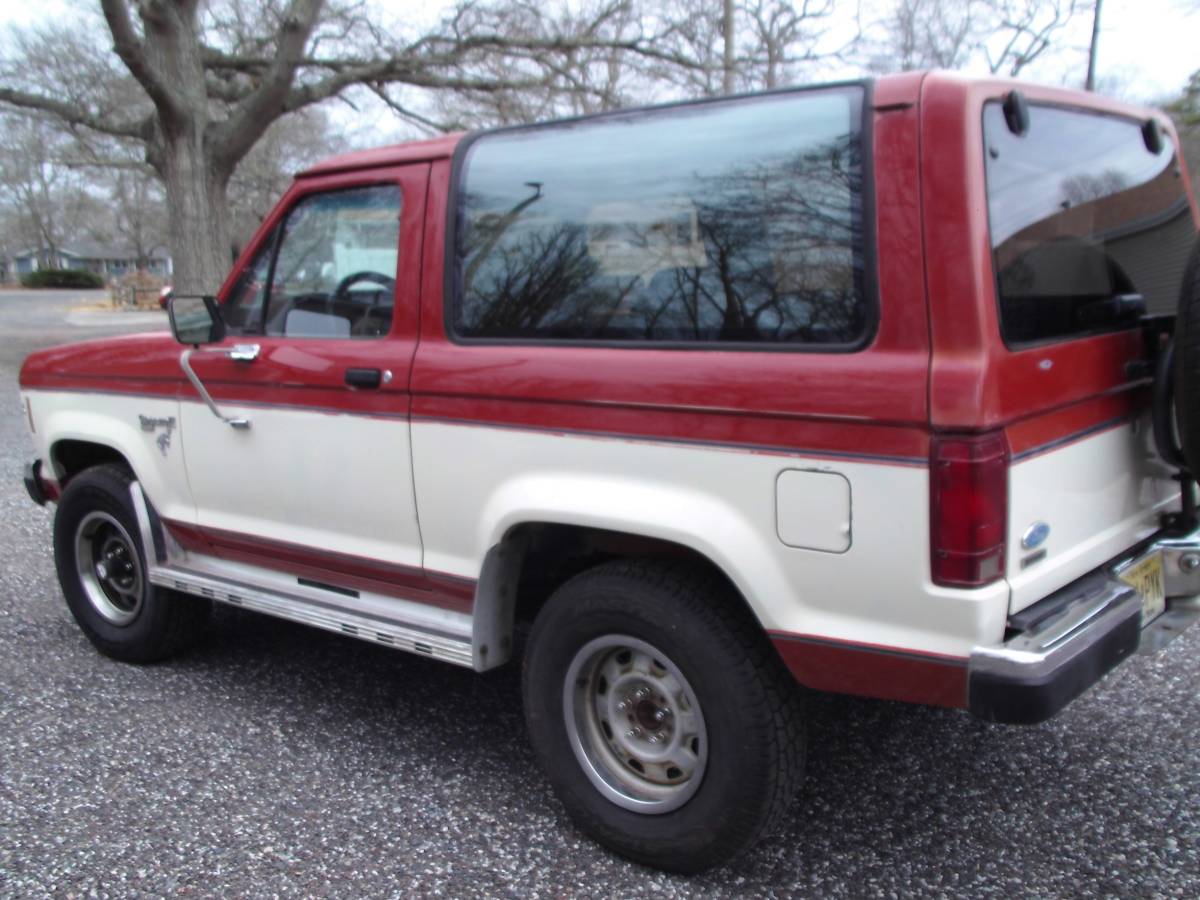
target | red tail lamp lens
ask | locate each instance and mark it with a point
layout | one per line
(969, 509)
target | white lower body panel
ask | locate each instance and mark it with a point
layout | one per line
(863, 579)
(1099, 496)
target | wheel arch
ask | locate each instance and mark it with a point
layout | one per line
(69, 456)
(113, 431)
(533, 558)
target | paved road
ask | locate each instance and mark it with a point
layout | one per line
(279, 760)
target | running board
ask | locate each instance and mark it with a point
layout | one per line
(414, 639)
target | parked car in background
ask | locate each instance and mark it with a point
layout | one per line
(848, 388)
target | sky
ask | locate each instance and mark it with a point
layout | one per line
(1148, 48)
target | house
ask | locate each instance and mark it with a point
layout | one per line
(107, 261)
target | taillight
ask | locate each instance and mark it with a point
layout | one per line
(968, 487)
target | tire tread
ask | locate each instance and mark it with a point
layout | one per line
(178, 620)
(748, 658)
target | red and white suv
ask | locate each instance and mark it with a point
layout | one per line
(848, 387)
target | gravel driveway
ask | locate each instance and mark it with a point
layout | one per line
(279, 760)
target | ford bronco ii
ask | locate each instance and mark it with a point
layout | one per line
(867, 388)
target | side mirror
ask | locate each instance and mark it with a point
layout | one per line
(195, 320)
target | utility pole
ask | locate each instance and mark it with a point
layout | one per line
(1090, 84)
(727, 67)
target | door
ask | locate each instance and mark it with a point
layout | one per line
(308, 468)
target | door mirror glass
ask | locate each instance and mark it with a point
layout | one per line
(195, 319)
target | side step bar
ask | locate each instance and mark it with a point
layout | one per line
(414, 639)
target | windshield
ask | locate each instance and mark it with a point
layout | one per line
(1085, 220)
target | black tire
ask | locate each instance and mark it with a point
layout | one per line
(750, 709)
(1187, 362)
(144, 624)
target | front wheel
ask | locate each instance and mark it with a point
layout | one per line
(666, 723)
(103, 573)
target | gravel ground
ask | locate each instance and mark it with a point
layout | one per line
(276, 760)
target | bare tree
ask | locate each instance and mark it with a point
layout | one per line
(703, 49)
(1186, 107)
(784, 36)
(291, 144)
(1185, 110)
(1021, 31)
(138, 213)
(45, 198)
(927, 34)
(1006, 35)
(747, 46)
(593, 76)
(210, 78)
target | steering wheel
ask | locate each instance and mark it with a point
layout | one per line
(366, 275)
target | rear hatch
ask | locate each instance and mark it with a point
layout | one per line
(1091, 225)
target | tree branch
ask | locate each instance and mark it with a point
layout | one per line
(73, 115)
(250, 118)
(129, 48)
(409, 115)
(393, 72)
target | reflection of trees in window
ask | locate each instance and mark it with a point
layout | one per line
(781, 239)
(1087, 186)
(780, 260)
(528, 282)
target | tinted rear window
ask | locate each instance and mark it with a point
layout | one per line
(1081, 213)
(731, 221)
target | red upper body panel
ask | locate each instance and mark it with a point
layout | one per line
(936, 360)
(976, 382)
(394, 155)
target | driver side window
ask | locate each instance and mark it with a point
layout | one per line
(335, 269)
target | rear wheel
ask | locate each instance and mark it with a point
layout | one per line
(103, 573)
(666, 723)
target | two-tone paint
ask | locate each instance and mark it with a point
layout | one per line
(411, 491)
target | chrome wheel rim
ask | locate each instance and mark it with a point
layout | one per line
(635, 724)
(108, 566)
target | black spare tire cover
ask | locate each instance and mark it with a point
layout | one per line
(1187, 362)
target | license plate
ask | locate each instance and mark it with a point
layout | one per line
(1146, 577)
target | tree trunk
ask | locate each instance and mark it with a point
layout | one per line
(727, 58)
(195, 183)
(1090, 83)
(199, 215)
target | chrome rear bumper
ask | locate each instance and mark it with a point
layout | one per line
(1067, 642)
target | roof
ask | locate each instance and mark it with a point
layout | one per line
(443, 147)
(887, 91)
(395, 154)
(95, 250)
(88, 249)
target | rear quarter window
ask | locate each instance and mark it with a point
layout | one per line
(1081, 213)
(724, 222)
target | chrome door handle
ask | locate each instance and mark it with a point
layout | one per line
(242, 352)
(185, 364)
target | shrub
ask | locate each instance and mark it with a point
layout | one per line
(61, 278)
(136, 290)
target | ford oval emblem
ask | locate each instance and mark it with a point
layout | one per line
(1035, 535)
